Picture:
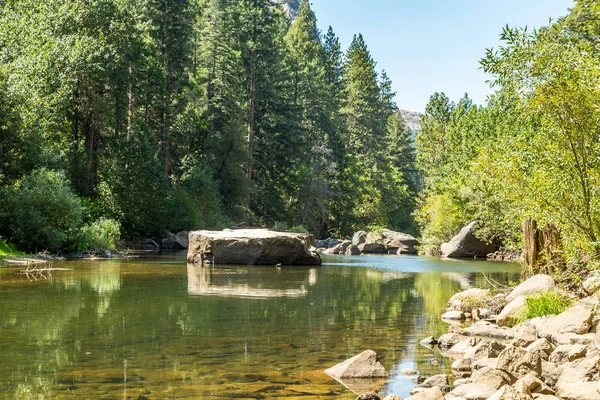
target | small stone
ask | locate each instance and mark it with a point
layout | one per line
(428, 342)
(448, 340)
(453, 316)
(440, 381)
(369, 396)
(408, 371)
(461, 368)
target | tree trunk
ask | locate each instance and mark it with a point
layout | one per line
(542, 250)
(251, 108)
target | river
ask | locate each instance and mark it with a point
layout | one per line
(157, 328)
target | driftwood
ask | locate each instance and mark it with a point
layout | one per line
(542, 248)
(40, 270)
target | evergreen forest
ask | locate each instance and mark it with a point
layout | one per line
(127, 118)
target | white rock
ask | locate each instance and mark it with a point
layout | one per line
(534, 285)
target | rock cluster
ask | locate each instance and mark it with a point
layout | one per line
(545, 358)
(378, 242)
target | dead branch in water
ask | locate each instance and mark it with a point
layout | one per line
(40, 270)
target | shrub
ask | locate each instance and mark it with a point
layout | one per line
(298, 229)
(41, 211)
(102, 234)
(280, 226)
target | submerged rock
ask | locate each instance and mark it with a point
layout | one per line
(466, 245)
(252, 246)
(363, 365)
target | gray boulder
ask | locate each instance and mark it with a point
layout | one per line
(181, 240)
(363, 365)
(372, 247)
(327, 243)
(519, 362)
(466, 245)
(359, 238)
(149, 244)
(566, 353)
(352, 250)
(252, 246)
(399, 243)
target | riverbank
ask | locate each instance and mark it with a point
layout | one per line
(520, 344)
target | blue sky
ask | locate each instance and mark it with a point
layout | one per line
(429, 46)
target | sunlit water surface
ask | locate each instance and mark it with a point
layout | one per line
(157, 328)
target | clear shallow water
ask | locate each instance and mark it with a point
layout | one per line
(159, 328)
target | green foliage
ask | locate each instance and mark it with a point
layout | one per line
(283, 227)
(441, 218)
(8, 250)
(548, 303)
(41, 211)
(182, 114)
(99, 235)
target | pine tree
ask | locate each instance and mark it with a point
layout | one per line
(311, 96)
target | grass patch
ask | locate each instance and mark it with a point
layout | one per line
(549, 303)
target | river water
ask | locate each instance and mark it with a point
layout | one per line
(158, 328)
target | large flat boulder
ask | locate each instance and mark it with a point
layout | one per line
(466, 245)
(252, 246)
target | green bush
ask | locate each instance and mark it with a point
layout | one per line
(41, 211)
(549, 303)
(280, 226)
(101, 234)
(298, 229)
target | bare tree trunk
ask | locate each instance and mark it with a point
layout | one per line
(251, 107)
(131, 104)
(542, 251)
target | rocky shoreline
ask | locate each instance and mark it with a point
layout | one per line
(497, 355)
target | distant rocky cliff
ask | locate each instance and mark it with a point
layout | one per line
(413, 121)
(290, 6)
